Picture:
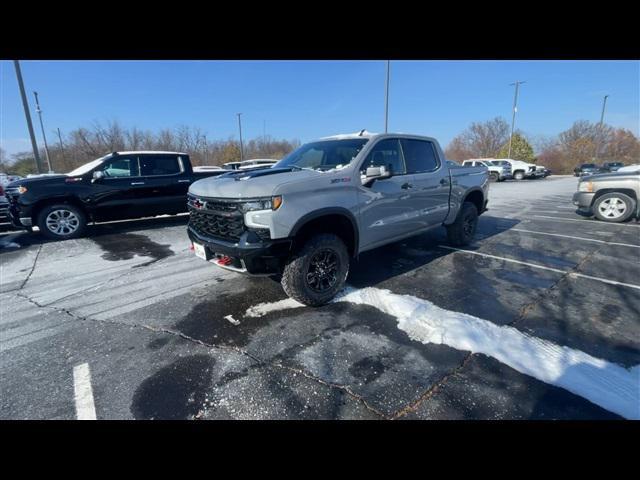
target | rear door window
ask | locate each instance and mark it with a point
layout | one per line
(155, 165)
(419, 155)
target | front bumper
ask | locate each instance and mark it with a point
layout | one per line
(249, 255)
(583, 201)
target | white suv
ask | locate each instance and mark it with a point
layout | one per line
(497, 173)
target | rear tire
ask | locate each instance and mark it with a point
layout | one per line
(318, 271)
(614, 207)
(494, 177)
(519, 175)
(462, 231)
(62, 221)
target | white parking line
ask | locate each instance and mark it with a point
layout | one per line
(585, 221)
(574, 238)
(83, 393)
(542, 267)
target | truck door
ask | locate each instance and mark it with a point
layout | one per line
(386, 206)
(431, 181)
(165, 184)
(118, 194)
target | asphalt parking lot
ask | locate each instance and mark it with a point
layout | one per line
(538, 319)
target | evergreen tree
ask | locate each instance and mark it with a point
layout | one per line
(520, 149)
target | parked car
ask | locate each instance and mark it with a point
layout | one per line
(120, 185)
(519, 169)
(609, 197)
(497, 173)
(4, 206)
(330, 200)
(611, 166)
(586, 169)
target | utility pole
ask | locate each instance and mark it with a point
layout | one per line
(61, 146)
(206, 151)
(513, 118)
(46, 147)
(34, 145)
(240, 128)
(386, 99)
(599, 140)
(264, 130)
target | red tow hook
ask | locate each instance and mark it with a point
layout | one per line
(225, 260)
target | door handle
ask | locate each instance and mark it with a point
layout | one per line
(137, 183)
(183, 181)
(444, 181)
(406, 186)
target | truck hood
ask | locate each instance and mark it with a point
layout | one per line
(44, 180)
(249, 184)
(609, 176)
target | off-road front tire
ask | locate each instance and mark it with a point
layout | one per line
(462, 231)
(62, 221)
(519, 175)
(494, 177)
(317, 271)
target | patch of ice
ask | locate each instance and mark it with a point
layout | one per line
(606, 384)
(232, 320)
(263, 308)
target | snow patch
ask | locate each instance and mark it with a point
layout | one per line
(263, 308)
(606, 384)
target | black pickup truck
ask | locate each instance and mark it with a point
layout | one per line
(120, 185)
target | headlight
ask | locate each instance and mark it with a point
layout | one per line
(585, 187)
(272, 203)
(22, 189)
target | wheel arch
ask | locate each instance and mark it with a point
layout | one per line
(336, 220)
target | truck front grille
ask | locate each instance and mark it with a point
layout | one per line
(227, 227)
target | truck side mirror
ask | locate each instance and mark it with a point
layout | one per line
(97, 176)
(376, 173)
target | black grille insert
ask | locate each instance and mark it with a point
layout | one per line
(226, 225)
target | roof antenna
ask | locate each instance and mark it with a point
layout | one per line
(362, 131)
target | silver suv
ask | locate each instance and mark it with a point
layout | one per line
(328, 201)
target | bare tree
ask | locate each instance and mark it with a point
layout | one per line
(480, 140)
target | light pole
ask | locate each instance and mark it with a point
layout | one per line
(513, 118)
(34, 145)
(46, 147)
(61, 147)
(240, 128)
(386, 99)
(599, 140)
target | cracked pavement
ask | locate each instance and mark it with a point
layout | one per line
(148, 317)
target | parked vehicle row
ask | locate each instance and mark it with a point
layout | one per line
(328, 201)
(592, 168)
(501, 169)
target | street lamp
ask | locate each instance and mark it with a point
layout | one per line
(44, 137)
(513, 118)
(240, 128)
(386, 99)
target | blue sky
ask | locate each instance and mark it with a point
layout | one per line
(310, 99)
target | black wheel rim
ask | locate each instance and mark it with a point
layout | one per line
(322, 274)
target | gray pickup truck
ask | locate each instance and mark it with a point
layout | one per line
(610, 197)
(328, 201)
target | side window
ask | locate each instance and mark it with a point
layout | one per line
(151, 165)
(121, 167)
(419, 155)
(387, 153)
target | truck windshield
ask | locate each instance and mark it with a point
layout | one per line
(325, 154)
(87, 167)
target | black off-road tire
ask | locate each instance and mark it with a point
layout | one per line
(294, 278)
(462, 231)
(78, 229)
(619, 198)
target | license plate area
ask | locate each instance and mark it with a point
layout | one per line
(201, 251)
